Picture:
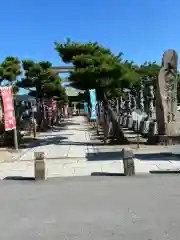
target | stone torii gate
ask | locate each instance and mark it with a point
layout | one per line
(65, 69)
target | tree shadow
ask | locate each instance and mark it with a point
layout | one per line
(161, 156)
(57, 140)
(51, 135)
(104, 156)
(19, 178)
(112, 155)
(165, 171)
(66, 123)
(107, 174)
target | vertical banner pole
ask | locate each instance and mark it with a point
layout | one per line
(15, 139)
(92, 93)
(15, 129)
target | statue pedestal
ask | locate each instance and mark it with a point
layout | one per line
(172, 129)
(157, 139)
(163, 140)
(121, 119)
(137, 126)
(144, 127)
(134, 125)
(124, 121)
(130, 123)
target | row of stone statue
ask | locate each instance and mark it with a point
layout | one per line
(153, 108)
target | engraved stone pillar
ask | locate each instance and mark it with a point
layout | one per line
(166, 97)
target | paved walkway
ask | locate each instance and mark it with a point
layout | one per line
(71, 150)
(97, 208)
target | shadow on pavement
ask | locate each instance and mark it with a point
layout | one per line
(107, 174)
(111, 155)
(56, 135)
(57, 140)
(19, 178)
(82, 143)
(162, 156)
(45, 141)
(29, 142)
(65, 124)
(104, 156)
(165, 171)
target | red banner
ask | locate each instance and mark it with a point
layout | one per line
(51, 107)
(9, 118)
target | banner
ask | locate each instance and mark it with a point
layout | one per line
(51, 106)
(86, 107)
(92, 93)
(9, 118)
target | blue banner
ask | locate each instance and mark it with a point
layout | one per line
(86, 107)
(92, 93)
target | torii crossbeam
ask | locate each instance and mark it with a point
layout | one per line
(63, 69)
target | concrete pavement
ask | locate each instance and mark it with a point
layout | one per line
(72, 150)
(98, 208)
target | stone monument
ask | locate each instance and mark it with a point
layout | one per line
(166, 97)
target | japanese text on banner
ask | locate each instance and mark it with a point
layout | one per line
(9, 118)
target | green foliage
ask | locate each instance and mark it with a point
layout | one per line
(69, 50)
(149, 69)
(10, 69)
(81, 97)
(96, 67)
(40, 80)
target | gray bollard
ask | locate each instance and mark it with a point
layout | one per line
(39, 166)
(128, 162)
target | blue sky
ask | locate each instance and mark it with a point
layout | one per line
(141, 29)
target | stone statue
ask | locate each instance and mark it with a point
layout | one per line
(128, 103)
(141, 99)
(166, 94)
(121, 105)
(151, 102)
(133, 103)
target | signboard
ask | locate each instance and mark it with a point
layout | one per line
(92, 93)
(9, 118)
